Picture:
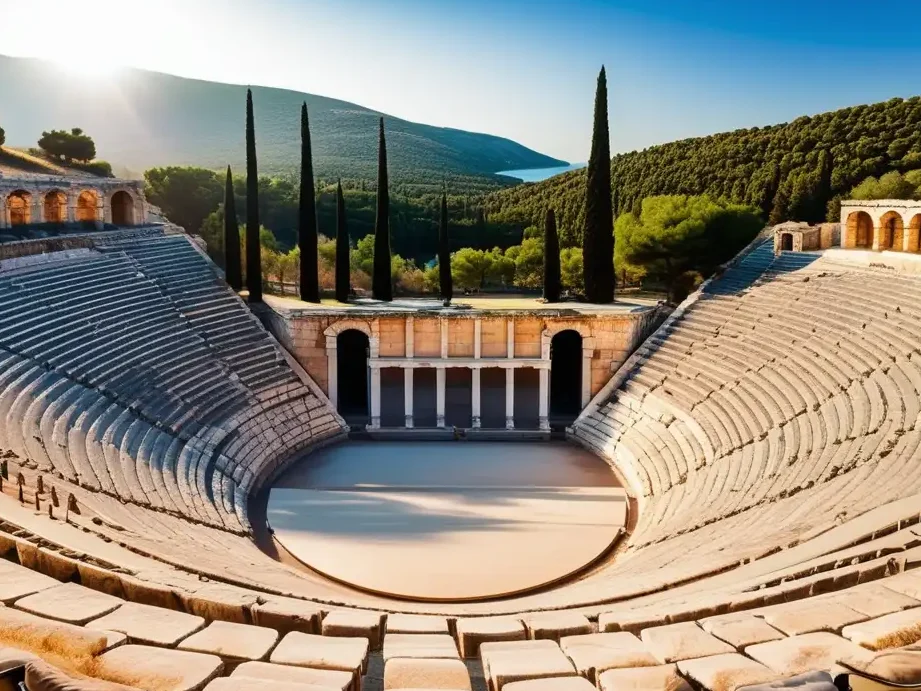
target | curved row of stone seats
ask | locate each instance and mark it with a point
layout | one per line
(112, 378)
(766, 387)
(78, 629)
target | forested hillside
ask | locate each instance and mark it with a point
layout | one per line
(144, 119)
(794, 170)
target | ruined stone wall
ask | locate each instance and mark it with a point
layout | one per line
(608, 337)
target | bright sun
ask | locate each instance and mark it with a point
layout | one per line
(95, 69)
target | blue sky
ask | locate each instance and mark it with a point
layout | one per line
(520, 69)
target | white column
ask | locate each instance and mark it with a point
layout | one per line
(408, 396)
(586, 375)
(509, 398)
(440, 397)
(475, 396)
(375, 398)
(544, 375)
(332, 371)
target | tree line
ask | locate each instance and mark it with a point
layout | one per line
(793, 171)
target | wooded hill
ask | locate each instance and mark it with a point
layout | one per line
(141, 120)
(780, 165)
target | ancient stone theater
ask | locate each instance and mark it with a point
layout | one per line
(498, 494)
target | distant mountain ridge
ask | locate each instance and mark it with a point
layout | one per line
(141, 119)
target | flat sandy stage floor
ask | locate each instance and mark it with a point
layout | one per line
(447, 520)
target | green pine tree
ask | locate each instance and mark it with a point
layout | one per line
(381, 281)
(551, 259)
(342, 248)
(446, 284)
(307, 218)
(233, 271)
(598, 231)
(253, 249)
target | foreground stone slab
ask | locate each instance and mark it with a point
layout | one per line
(675, 642)
(741, 629)
(64, 645)
(555, 684)
(874, 600)
(595, 653)
(471, 633)
(811, 681)
(245, 684)
(355, 624)
(806, 653)
(416, 623)
(288, 615)
(889, 631)
(265, 671)
(808, 616)
(905, 583)
(725, 672)
(505, 662)
(660, 678)
(424, 645)
(902, 666)
(554, 625)
(402, 673)
(70, 603)
(150, 625)
(17, 581)
(232, 642)
(158, 668)
(322, 652)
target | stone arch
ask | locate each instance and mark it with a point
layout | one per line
(566, 363)
(122, 204)
(353, 351)
(87, 201)
(913, 239)
(859, 230)
(551, 330)
(19, 205)
(891, 233)
(54, 207)
(369, 329)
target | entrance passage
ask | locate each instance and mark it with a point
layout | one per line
(122, 209)
(352, 371)
(566, 376)
(786, 242)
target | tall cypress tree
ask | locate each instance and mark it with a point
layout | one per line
(551, 259)
(444, 252)
(307, 218)
(253, 250)
(342, 248)
(233, 271)
(598, 232)
(381, 282)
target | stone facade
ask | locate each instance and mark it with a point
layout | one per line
(32, 199)
(798, 236)
(881, 225)
(474, 339)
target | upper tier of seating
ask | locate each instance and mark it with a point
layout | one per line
(132, 370)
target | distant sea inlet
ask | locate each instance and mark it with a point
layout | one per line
(538, 174)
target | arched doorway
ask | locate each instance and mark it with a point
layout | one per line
(20, 205)
(786, 242)
(859, 231)
(891, 231)
(352, 375)
(55, 204)
(86, 207)
(566, 375)
(914, 234)
(122, 209)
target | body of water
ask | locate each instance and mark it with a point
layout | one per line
(538, 174)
